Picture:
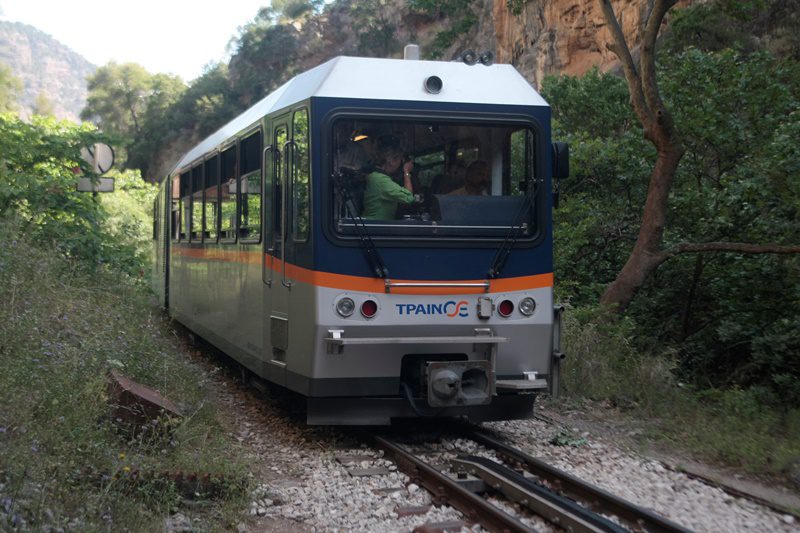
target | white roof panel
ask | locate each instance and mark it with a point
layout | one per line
(384, 79)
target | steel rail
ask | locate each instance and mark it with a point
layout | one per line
(447, 490)
(555, 508)
(635, 517)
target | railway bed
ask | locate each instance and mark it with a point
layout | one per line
(303, 481)
(529, 486)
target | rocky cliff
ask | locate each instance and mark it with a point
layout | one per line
(45, 67)
(541, 37)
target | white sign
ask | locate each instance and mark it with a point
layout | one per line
(101, 185)
(100, 157)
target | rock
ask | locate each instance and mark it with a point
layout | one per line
(178, 523)
(413, 488)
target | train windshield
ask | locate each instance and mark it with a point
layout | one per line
(434, 179)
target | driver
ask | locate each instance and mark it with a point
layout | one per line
(382, 194)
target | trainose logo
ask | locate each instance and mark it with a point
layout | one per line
(451, 309)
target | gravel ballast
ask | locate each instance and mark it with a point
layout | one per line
(310, 478)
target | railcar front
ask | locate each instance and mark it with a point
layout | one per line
(438, 304)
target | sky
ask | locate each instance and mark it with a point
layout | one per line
(170, 36)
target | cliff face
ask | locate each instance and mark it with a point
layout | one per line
(558, 36)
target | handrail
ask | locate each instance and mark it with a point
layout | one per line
(284, 212)
(485, 285)
(265, 226)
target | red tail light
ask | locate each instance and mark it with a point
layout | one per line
(505, 308)
(369, 308)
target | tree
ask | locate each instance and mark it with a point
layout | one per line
(117, 98)
(10, 87)
(264, 57)
(128, 102)
(376, 32)
(659, 128)
(43, 106)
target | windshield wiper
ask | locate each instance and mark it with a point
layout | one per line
(341, 180)
(513, 232)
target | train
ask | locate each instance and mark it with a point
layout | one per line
(437, 303)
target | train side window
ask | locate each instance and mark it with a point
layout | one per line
(197, 203)
(521, 154)
(227, 231)
(155, 218)
(281, 136)
(186, 205)
(175, 206)
(250, 188)
(211, 201)
(301, 181)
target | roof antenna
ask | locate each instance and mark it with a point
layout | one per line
(411, 52)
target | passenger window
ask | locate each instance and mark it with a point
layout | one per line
(300, 178)
(210, 222)
(250, 188)
(197, 203)
(186, 205)
(228, 195)
(175, 203)
(281, 135)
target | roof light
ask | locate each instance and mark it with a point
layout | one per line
(433, 84)
(469, 57)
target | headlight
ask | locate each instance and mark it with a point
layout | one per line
(345, 306)
(527, 306)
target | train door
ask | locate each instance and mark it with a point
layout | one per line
(277, 247)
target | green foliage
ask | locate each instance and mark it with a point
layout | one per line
(117, 98)
(516, 6)
(738, 427)
(376, 33)
(742, 25)
(595, 228)
(461, 17)
(265, 54)
(37, 188)
(10, 88)
(726, 318)
(63, 462)
(292, 10)
(130, 103)
(43, 105)
(708, 27)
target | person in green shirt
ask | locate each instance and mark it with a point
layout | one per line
(382, 194)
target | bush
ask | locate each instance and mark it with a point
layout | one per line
(38, 189)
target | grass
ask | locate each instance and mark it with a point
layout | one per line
(734, 428)
(64, 463)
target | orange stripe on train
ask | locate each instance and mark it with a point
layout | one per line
(360, 283)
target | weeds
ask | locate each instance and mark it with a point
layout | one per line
(738, 428)
(63, 461)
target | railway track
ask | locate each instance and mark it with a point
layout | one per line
(561, 499)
